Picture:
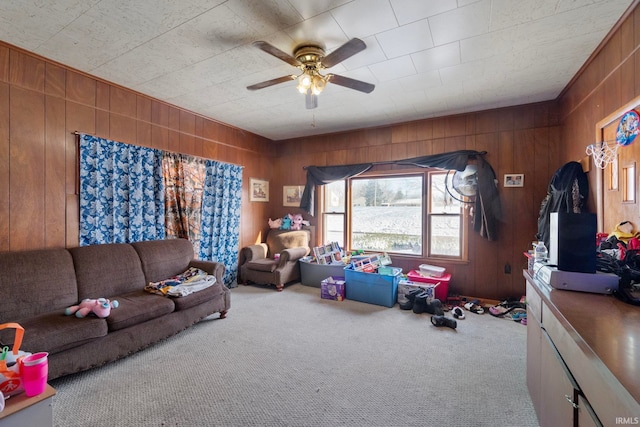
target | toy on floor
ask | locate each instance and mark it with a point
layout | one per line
(101, 307)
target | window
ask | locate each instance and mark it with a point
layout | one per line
(333, 216)
(410, 214)
(445, 219)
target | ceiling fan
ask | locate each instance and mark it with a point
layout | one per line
(311, 60)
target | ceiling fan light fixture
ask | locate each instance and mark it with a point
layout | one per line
(318, 84)
(304, 82)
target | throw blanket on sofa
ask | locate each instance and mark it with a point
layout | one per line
(183, 284)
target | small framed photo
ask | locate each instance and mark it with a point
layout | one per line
(514, 180)
(258, 190)
(291, 195)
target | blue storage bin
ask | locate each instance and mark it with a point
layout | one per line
(372, 288)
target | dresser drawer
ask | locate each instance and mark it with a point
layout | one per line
(534, 303)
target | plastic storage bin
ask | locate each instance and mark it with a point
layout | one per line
(431, 270)
(312, 274)
(372, 288)
(442, 290)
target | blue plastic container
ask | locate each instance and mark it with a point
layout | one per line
(372, 288)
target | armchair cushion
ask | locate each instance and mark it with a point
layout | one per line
(264, 264)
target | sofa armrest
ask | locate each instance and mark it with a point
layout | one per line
(255, 252)
(292, 254)
(212, 267)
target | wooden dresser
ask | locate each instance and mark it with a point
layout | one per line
(583, 357)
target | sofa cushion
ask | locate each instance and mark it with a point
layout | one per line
(55, 332)
(207, 294)
(137, 307)
(161, 259)
(107, 270)
(268, 265)
(35, 282)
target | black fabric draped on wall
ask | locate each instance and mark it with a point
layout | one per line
(488, 209)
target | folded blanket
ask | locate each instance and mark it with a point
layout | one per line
(183, 284)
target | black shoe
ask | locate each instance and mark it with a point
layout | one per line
(420, 302)
(411, 296)
(444, 321)
(435, 307)
(406, 305)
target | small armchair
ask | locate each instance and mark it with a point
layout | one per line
(258, 264)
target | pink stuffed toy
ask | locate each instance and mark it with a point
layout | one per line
(296, 222)
(101, 307)
(275, 223)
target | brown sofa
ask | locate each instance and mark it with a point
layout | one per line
(36, 287)
(258, 264)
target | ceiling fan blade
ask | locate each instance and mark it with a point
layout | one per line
(351, 83)
(272, 50)
(271, 82)
(345, 51)
(311, 100)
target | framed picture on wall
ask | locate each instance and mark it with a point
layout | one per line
(514, 180)
(258, 190)
(291, 195)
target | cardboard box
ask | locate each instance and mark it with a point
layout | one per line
(332, 288)
(372, 288)
(442, 291)
(406, 286)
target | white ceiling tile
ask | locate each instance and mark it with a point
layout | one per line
(196, 54)
(410, 10)
(393, 69)
(425, 80)
(29, 25)
(320, 29)
(437, 57)
(265, 16)
(491, 44)
(508, 13)
(407, 39)
(460, 23)
(379, 17)
(308, 9)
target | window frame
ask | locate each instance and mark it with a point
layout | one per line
(426, 174)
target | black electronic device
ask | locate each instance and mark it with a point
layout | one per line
(572, 241)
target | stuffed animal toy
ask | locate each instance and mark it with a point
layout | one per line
(101, 307)
(276, 223)
(286, 222)
(296, 222)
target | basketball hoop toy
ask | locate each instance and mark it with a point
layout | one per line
(605, 152)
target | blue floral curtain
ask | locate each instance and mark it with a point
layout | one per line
(221, 217)
(121, 192)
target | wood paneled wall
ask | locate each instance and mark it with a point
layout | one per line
(43, 103)
(608, 82)
(524, 139)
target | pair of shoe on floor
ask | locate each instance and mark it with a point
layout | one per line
(474, 307)
(420, 301)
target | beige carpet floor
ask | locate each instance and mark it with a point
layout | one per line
(293, 359)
